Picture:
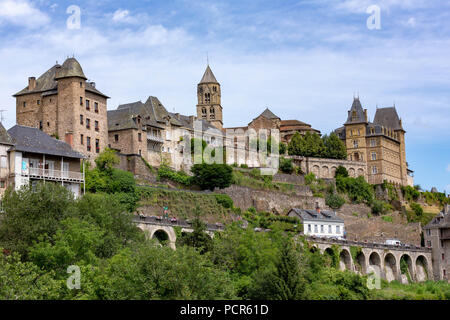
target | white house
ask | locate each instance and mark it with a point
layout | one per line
(319, 223)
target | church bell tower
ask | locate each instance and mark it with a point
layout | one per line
(208, 95)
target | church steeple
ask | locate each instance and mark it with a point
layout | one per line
(209, 99)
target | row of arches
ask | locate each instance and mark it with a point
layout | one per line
(329, 172)
(403, 267)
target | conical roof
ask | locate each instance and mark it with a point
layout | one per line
(356, 113)
(70, 68)
(208, 76)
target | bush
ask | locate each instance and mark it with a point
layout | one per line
(380, 207)
(341, 171)
(225, 200)
(286, 165)
(357, 189)
(181, 177)
(310, 178)
(417, 209)
(334, 201)
(387, 218)
(244, 166)
(210, 176)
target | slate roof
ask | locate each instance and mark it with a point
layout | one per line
(323, 215)
(357, 108)
(186, 122)
(28, 139)
(388, 118)
(268, 114)
(47, 84)
(4, 136)
(208, 76)
(441, 220)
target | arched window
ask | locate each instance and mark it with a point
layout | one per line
(212, 113)
(203, 112)
(211, 110)
(207, 97)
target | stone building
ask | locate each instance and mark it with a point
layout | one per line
(209, 99)
(380, 144)
(5, 145)
(437, 236)
(63, 104)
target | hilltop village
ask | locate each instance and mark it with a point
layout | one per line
(63, 124)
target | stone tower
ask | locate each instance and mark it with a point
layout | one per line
(355, 127)
(208, 96)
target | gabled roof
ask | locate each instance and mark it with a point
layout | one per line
(28, 139)
(208, 76)
(185, 121)
(388, 117)
(4, 136)
(323, 215)
(268, 114)
(356, 113)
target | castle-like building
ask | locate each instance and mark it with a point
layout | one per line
(380, 144)
(63, 104)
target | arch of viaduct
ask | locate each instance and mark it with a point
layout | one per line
(383, 260)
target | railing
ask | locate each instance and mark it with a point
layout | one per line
(154, 138)
(52, 174)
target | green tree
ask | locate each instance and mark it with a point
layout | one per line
(286, 165)
(107, 159)
(210, 176)
(341, 171)
(334, 147)
(310, 145)
(198, 238)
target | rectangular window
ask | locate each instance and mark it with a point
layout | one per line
(321, 228)
(116, 137)
(329, 229)
(338, 229)
(96, 125)
(3, 162)
(309, 228)
(87, 105)
(39, 102)
(355, 143)
(373, 142)
(88, 123)
(24, 104)
(139, 136)
(81, 139)
(443, 257)
(374, 156)
(88, 143)
(2, 184)
(428, 232)
(40, 125)
(374, 170)
(429, 244)
(168, 135)
(81, 101)
(139, 151)
(96, 107)
(81, 119)
(315, 228)
(97, 145)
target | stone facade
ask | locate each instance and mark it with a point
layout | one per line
(63, 104)
(209, 99)
(379, 144)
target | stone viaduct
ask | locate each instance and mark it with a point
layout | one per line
(387, 261)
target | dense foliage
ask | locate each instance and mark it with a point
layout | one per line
(210, 176)
(286, 165)
(312, 145)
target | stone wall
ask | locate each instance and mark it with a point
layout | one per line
(136, 165)
(326, 168)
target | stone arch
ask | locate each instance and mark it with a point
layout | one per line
(360, 263)
(406, 268)
(345, 260)
(374, 264)
(313, 249)
(325, 172)
(330, 257)
(390, 267)
(161, 235)
(360, 172)
(421, 268)
(316, 170)
(351, 172)
(333, 171)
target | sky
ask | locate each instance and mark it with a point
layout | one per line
(303, 59)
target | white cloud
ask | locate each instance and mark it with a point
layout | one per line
(123, 16)
(411, 22)
(22, 13)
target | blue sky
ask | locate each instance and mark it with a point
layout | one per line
(303, 59)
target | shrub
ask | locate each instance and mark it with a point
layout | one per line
(225, 200)
(286, 165)
(181, 177)
(334, 201)
(380, 207)
(341, 171)
(387, 218)
(357, 189)
(210, 176)
(310, 178)
(417, 209)
(244, 166)
(107, 159)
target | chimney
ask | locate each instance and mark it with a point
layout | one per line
(69, 139)
(191, 119)
(93, 84)
(365, 114)
(317, 207)
(31, 83)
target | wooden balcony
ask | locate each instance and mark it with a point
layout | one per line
(53, 175)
